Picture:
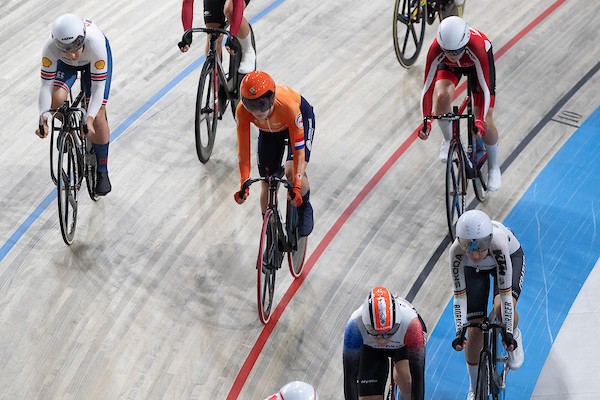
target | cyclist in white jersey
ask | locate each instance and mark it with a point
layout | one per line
(482, 248)
(79, 45)
(296, 390)
(384, 327)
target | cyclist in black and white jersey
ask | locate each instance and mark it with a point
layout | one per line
(482, 248)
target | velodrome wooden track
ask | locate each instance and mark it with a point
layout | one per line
(156, 297)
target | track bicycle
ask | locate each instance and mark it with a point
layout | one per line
(408, 28)
(75, 160)
(493, 358)
(275, 241)
(463, 164)
(215, 90)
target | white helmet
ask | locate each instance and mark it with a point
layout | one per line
(68, 32)
(474, 230)
(298, 390)
(453, 34)
(379, 313)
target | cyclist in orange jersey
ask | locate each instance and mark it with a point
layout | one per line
(283, 117)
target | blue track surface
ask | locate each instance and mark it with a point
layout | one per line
(555, 221)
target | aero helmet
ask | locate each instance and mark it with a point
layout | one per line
(68, 33)
(474, 231)
(453, 34)
(379, 313)
(298, 390)
(258, 91)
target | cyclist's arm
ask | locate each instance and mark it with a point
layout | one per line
(484, 65)
(98, 72)
(187, 14)
(504, 276)
(457, 269)
(353, 342)
(48, 73)
(434, 58)
(236, 16)
(243, 134)
(296, 131)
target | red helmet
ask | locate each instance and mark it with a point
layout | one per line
(258, 91)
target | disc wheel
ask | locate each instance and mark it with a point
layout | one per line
(206, 113)
(66, 187)
(456, 183)
(268, 260)
(408, 30)
(481, 177)
(91, 175)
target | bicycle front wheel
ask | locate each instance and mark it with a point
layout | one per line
(268, 260)
(206, 112)
(67, 190)
(456, 184)
(408, 30)
(483, 378)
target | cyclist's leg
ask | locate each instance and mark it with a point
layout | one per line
(478, 288)
(403, 378)
(232, 10)
(65, 77)
(270, 154)
(372, 372)
(214, 18)
(305, 211)
(443, 93)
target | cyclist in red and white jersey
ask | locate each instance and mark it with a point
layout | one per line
(79, 45)
(482, 248)
(384, 326)
(456, 51)
(215, 13)
(296, 390)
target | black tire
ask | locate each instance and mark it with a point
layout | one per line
(481, 177)
(206, 113)
(408, 30)
(265, 283)
(298, 244)
(91, 174)
(483, 378)
(67, 186)
(456, 184)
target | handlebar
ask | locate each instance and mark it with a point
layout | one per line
(271, 180)
(65, 109)
(210, 31)
(485, 326)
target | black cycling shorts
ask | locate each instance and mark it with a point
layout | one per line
(213, 12)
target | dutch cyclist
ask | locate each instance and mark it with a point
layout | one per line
(79, 45)
(482, 248)
(385, 326)
(456, 51)
(283, 117)
(215, 13)
(296, 390)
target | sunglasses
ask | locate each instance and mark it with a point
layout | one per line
(383, 335)
(470, 245)
(455, 52)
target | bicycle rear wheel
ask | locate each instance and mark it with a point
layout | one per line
(268, 260)
(67, 190)
(295, 257)
(91, 170)
(206, 112)
(408, 30)
(456, 184)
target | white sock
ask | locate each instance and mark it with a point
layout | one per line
(492, 152)
(446, 127)
(472, 375)
(246, 43)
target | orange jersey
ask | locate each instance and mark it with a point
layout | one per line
(286, 115)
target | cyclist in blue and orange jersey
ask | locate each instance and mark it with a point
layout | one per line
(482, 248)
(79, 45)
(296, 390)
(456, 51)
(384, 326)
(215, 13)
(282, 117)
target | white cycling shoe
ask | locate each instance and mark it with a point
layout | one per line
(516, 357)
(444, 147)
(494, 179)
(471, 395)
(248, 61)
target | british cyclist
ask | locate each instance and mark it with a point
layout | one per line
(456, 51)
(482, 248)
(215, 13)
(384, 326)
(79, 45)
(283, 117)
(296, 390)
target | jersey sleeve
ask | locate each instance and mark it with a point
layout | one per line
(431, 65)
(414, 338)
(236, 16)
(483, 57)
(460, 287)
(504, 277)
(98, 72)
(353, 342)
(187, 14)
(243, 134)
(47, 73)
(296, 132)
